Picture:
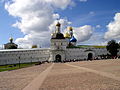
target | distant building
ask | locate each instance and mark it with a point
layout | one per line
(10, 45)
(63, 48)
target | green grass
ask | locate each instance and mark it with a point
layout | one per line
(12, 67)
(85, 46)
(99, 46)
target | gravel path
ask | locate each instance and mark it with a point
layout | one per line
(109, 75)
(37, 82)
(84, 75)
(18, 79)
(64, 77)
(109, 66)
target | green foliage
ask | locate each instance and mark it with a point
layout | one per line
(86, 46)
(112, 47)
(99, 46)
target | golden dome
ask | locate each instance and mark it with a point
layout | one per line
(67, 35)
(11, 39)
(52, 34)
(58, 24)
(70, 28)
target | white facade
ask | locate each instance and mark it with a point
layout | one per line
(23, 56)
(58, 47)
(57, 52)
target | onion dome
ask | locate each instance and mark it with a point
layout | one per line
(10, 44)
(58, 24)
(73, 39)
(11, 39)
(58, 36)
(52, 34)
(70, 28)
(67, 35)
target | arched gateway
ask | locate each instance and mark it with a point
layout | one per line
(90, 56)
(58, 58)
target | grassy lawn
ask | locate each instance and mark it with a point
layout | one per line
(85, 46)
(16, 66)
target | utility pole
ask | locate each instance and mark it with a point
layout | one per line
(19, 61)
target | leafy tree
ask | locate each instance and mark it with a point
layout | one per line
(112, 47)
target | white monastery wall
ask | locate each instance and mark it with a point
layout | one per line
(82, 53)
(23, 56)
(37, 55)
(75, 53)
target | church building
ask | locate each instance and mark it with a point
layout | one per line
(62, 48)
(10, 45)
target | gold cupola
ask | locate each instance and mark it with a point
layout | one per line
(70, 28)
(67, 35)
(11, 40)
(70, 31)
(58, 24)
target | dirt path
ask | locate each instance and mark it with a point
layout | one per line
(37, 82)
(18, 79)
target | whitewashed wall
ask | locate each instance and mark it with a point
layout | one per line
(35, 55)
(75, 53)
(23, 56)
(82, 53)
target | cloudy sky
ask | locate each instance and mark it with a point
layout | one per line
(31, 22)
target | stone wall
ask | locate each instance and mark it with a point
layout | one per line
(23, 56)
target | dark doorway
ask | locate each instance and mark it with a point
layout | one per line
(58, 58)
(90, 56)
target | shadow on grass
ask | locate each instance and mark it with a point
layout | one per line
(17, 66)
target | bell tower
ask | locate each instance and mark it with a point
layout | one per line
(58, 41)
(58, 45)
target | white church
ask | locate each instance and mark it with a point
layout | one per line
(63, 48)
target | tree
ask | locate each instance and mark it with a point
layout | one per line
(112, 47)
